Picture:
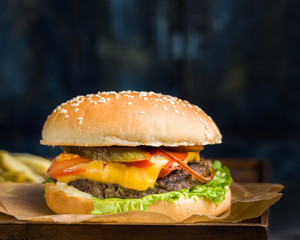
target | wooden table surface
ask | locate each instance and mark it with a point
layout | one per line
(242, 170)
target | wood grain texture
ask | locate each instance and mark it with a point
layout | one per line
(103, 231)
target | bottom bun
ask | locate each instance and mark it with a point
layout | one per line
(64, 199)
(184, 208)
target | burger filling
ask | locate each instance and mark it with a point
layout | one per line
(175, 181)
(121, 179)
(139, 170)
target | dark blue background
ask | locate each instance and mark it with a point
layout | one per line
(238, 59)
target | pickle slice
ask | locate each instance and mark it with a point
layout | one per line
(111, 154)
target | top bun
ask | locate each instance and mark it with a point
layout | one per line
(129, 119)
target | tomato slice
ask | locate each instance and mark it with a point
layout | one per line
(169, 167)
(139, 164)
(67, 164)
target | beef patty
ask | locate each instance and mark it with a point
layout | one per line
(175, 181)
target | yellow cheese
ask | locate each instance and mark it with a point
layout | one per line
(117, 173)
(193, 156)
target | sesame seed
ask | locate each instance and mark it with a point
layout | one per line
(59, 107)
(66, 116)
(156, 100)
(102, 100)
(129, 103)
(183, 104)
(214, 128)
(143, 94)
(80, 118)
(63, 111)
(145, 98)
(80, 122)
(91, 100)
(174, 106)
(76, 110)
(95, 103)
(128, 91)
(205, 124)
(182, 114)
(176, 111)
(196, 113)
(165, 108)
(107, 99)
(141, 113)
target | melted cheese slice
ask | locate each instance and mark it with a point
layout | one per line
(117, 173)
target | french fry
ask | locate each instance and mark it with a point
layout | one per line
(2, 179)
(15, 170)
(14, 176)
(38, 164)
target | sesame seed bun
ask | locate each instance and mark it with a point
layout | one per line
(61, 201)
(129, 119)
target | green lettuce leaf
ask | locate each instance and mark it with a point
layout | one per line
(215, 190)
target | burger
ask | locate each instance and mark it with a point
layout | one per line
(134, 151)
